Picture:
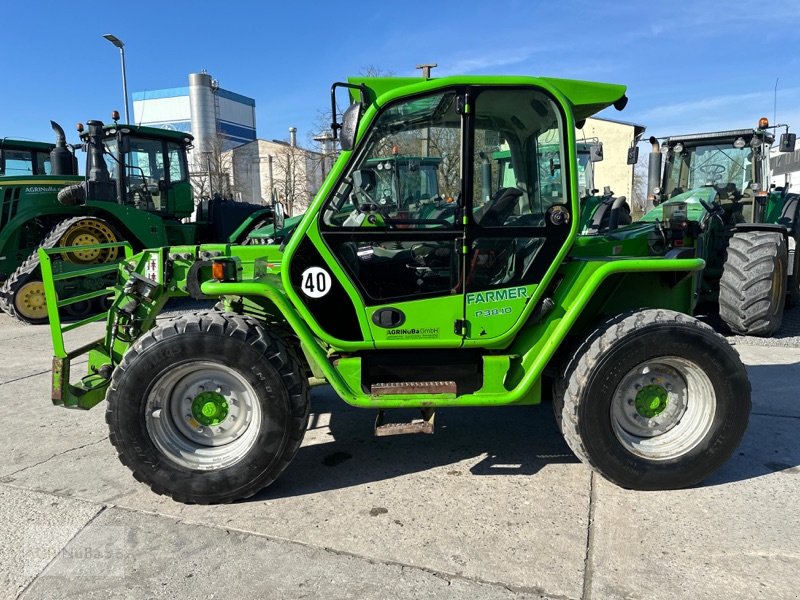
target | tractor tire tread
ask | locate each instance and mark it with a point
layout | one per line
(30, 267)
(745, 296)
(579, 367)
(251, 332)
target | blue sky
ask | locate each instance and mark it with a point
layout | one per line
(689, 66)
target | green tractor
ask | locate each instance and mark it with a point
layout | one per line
(31, 175)
(748, 230)
(502, 302)
(136, 189)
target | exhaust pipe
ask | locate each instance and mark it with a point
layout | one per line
(62, 160)
(653, 173)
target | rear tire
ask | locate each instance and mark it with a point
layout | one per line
(793, 281)
(752, 290)
(653, 400)
(256, 396)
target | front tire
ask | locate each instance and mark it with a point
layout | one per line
(752, 290)
(654, 400)
(207, 408)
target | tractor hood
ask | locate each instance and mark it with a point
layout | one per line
(694, 209)
(586, 97)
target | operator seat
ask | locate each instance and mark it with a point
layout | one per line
(499, 208)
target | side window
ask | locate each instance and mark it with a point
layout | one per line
(409, 176)
(43, 166)
(177, 168)
(18, 162)
(517, 160)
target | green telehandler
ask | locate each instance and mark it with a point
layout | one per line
(748, 230)
(136, 189)
(501, 302)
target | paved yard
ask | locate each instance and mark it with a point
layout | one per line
(492, 506)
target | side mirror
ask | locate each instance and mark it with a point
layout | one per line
(787, 142)
(124, 144)
(279, 215)
(633, 155)
(596, 152)
(350, 120)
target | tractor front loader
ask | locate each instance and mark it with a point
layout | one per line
(397, 306)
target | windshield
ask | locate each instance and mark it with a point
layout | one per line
(721, 166)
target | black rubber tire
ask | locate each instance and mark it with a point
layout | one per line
(749, 302)
(233, 342)
(793, 281)
(583, 397)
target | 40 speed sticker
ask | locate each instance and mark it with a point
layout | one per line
(315, 282)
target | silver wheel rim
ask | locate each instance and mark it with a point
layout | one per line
(673, 427)
(186, 441)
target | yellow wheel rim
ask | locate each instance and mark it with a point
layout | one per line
(89, 232)
(29, 301)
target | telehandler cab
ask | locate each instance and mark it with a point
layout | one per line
(484, 306)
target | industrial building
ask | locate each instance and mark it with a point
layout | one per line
(265, 170)
(217, 118)
(202, 108)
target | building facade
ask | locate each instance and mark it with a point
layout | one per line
(264, 170)
(613, 171)
(217, 118)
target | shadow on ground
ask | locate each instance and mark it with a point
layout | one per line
(770, 442)
(511, 440)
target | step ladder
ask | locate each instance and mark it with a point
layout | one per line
(423, 425)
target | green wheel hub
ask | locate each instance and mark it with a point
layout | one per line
(209, 408)
(651, 400)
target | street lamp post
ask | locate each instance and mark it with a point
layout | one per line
(118, 43)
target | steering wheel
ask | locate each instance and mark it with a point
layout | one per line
(712, 170)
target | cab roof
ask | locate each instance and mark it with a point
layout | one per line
(585, 97)
(13, 144)
(153, 132)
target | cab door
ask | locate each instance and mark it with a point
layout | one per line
(394, 232)
(517, 223)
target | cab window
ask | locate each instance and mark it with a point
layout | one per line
(409, 175)
(517, 160)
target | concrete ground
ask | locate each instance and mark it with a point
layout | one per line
(492, 506)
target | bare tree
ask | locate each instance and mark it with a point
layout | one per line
(293, 173)
(211, 170)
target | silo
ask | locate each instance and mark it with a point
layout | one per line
(204, 119)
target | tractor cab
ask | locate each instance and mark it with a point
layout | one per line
(22, 158)
(727, 163)
(726, 169)
(143, 167)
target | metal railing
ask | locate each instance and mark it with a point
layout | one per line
(53, 273)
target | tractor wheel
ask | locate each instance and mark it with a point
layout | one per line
(29, 302)
(752, 290)
(87, 232)
(654, 400)
(207, 408)
(793, 281)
